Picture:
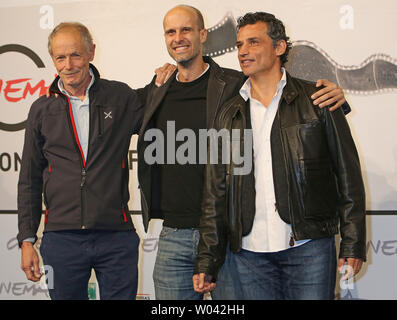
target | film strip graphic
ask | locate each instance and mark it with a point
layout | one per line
(222, 37)
(376, 75)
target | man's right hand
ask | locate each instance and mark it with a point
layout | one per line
(30, 262)
(48, 93)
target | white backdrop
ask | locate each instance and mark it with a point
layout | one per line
(130, 45)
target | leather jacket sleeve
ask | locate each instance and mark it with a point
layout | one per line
(350, 184)
(144, 92)
(346, 108)
(213, 226)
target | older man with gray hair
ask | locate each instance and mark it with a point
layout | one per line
(75, 156)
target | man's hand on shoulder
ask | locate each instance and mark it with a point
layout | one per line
(164, 73)
(48, 93)
(330, 94)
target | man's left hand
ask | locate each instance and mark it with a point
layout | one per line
(332, 93)
(202, 283)
(353, 266)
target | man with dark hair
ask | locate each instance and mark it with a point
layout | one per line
(75, 156)
(191, 98)
(276, 30)
(276, 225)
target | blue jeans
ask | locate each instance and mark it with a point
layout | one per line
(307, 272)
(174, 266)
(73, 254)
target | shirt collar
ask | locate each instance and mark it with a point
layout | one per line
(245, 91)
(62, 88)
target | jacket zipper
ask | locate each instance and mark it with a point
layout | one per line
(145, 209)
(124, 215)
(122, 204)
(46, 216)
(230, 168)
(45, 198)
(82, 161)
(100, 121)
(293, 233)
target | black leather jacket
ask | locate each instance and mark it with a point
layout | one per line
(223, 84)
(316, 172)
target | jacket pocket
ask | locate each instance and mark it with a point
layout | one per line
(100, 120)
(319, 189)
(311, 141)
(104, 122)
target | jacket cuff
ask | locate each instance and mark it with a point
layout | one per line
(207, 268)
(346, 108)
(26, 237)
(353, 251)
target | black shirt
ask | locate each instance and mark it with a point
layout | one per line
(178, 186)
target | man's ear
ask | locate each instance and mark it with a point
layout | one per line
(92, 52)
(281, 47)
(203, 35)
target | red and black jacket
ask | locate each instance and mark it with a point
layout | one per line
(78, 193)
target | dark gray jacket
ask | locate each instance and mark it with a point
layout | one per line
(78, 194)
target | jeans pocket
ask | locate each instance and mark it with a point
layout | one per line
(166, 231)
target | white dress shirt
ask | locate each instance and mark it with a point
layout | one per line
(269, 233)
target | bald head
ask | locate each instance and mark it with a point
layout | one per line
(184, 34)
(187, 10)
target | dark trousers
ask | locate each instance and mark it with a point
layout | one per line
(73, 254)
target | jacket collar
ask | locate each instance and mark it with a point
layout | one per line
(245, 90)
(216, 85)
(153, 101)
(290, 91)
(216, 69)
